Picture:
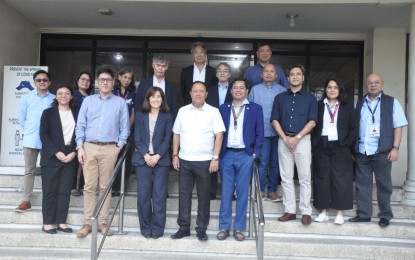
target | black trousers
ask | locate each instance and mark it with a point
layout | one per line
(56, 188)
(332, 175)
(191, 172)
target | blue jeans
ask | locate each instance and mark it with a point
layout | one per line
(269, 157)
(236, 170)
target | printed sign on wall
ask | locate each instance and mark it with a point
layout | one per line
(18, 81)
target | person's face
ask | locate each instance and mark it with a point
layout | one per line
(374, 85)
(332, 90)
(264, 54)
(42, 82)
(296, 77)
(160, 69)
(84, 82)
(199, 55)
(223, 73)
(105, 83)
(269, 74)
(63, 96)
(125, 79)
(155, 100)
(198, 94)
(239, 91)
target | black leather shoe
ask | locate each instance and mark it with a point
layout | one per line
(201, 235)
(146, 235)
(181, 234)
(49, 231)
(383, 222)
(66, 230)
(359, 219)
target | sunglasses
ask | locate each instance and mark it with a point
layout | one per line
(42, 80)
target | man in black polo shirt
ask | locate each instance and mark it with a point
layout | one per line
(294, 114)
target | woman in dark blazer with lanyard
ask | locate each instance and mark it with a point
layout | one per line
(153, 130)
(332, 141)
(58, 159)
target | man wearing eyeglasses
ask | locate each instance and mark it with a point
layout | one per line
(101, 132)
(30, 112)
(381, 120)
(199, 71)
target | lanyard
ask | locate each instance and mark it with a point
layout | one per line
(332, 115)
(235, 116)
(125, 96)
(372, 112)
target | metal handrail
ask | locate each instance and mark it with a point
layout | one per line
(256, 226)
(120, 203)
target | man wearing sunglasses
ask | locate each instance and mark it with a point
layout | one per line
(30, 111)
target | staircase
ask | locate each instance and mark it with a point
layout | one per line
(21, 236)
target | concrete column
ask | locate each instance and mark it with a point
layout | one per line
(409, 185)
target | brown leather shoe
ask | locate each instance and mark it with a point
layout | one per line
(287, 217)
(102, 228)
(306, 219)
(84, 231)
(23, 207)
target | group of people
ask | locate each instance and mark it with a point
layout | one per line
(223, 127)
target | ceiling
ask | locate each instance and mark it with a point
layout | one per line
(200, 18)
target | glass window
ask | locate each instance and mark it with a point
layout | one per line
(334, 48)
(64, 66)
(121, 43)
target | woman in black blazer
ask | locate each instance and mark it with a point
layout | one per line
(58, 159)
(153, 130)
(332, 141)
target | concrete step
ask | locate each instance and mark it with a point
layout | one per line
(15, 183)
(281, 245)
(399, 228)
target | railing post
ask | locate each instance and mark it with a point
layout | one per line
(94, 238)
(122, 190)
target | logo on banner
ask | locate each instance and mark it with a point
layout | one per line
(25, 84)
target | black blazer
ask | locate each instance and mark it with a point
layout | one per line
(171, 96)
(51, 135)
(346, 124)
(161, 138)
(213, 96)
(186, 81)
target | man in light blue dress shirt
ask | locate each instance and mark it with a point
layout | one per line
(30, 111)
(381, 119)
(264, 95)
(101, 132)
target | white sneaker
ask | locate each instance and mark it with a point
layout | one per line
(339, 220)
(322, 217)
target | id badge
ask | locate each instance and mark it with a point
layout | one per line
(235, 140)
(332, 133)
(374, 130)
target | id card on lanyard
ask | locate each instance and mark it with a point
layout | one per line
(332, 129)
(235, 137)
(374, 128)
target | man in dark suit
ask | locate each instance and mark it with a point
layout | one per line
(199, 71)
(160, 66)
(219, 94)
(242, 141)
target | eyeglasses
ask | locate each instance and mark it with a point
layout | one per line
(373, 82)
(42, 80)
(102, 80)
(85, 80)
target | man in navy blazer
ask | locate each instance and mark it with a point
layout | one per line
(241, 143)
(160, 66)
(199, 71)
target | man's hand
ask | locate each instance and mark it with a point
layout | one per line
(291, 142)
(81, 155)
(175, 162)
(393, 155)
(214, 166)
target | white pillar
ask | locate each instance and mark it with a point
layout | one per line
(409, 186)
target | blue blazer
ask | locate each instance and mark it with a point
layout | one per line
(171, 96)
(253, 128)
(51, 135)
(161, 138)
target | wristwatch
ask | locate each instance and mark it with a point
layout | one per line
(215, 157)
(395, 147)
(298, 136)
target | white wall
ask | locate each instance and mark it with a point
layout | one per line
(19, 42)
(387, 57)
